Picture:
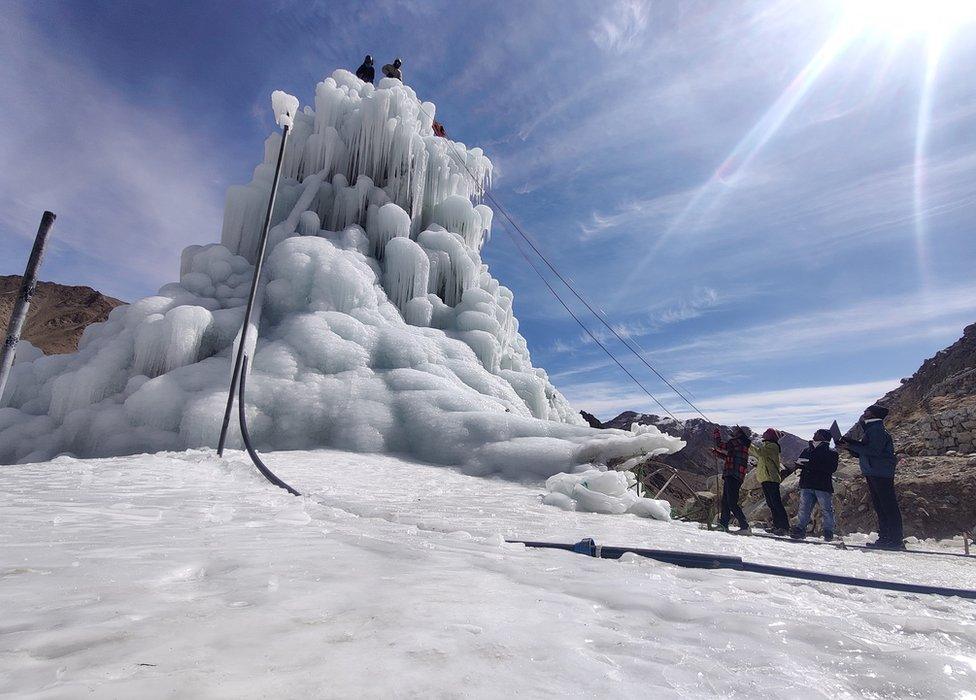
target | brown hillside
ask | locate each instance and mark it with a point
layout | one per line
(58, 314)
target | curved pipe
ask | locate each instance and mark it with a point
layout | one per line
(268, 474)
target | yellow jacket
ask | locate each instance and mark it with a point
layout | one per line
(767, 459)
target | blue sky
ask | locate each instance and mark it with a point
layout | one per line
(775, 199)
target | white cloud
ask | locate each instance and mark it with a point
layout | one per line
(877, 322)
(704, 299)
(800, 410)
(620, 27)
(131, 185)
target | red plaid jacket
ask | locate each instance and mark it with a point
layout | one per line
(735, 453)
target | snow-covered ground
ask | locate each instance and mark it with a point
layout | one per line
(181, 575)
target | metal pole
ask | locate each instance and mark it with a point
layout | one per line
(258, 263)
(28, 285)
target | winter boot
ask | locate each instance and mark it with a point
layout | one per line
(780, 531)
(828, 536)
(798, 534)
(877, 544)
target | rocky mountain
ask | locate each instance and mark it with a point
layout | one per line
(697, 433)
(933, 412)
(933, 423)
(696, 465)
(58, 313)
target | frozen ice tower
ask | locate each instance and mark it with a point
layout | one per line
(380, 329)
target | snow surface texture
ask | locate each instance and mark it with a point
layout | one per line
(381, 328)
(608, 492)
(188, 576)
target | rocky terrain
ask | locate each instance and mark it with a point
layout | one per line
(58, 313)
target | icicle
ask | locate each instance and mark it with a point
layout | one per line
(350, 203)
(323, 203)
(285, 107)
(456, 214)
(461, 273)
(407, 270)
(388, 222)
(309, 224)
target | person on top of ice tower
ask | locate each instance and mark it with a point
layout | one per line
(392, 70)
(767, 455)
(876, 453)
(366, 72)
(735, 455)
(817, 464)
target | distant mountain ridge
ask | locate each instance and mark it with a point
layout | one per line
(697, 433)
(58, 313)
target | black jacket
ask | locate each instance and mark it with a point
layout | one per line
(366, 72)
(818, 470)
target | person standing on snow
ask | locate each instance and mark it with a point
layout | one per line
(876, 453)
(817, 464)
(366, 72)
(767, 455)
(735, 455)
(392, 70)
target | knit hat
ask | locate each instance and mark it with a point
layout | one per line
(822, 435)
(772, 435)
(878, 411)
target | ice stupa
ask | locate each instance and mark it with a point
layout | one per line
(381, 329)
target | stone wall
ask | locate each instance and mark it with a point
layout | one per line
(949, 427)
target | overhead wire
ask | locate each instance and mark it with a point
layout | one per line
(582, 325)
(599, 316)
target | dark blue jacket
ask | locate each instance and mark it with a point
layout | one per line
(875, 451)
(817, 465)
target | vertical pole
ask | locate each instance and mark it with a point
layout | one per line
(258, 263)
(27, 287)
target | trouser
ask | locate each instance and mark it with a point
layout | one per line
(826, 500)
(730, 502)
(882, 490)
(781, 521)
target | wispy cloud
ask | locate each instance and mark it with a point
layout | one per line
(877, 322)
(654, 317)
(799, 410)
(621, 26)
(131, 185)
(703, 299)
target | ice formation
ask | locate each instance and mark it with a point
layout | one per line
(608, 492)
(381, 329)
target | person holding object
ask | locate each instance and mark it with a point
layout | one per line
(767, 455)
(876, 453)
(817, 464)
(735, 455)
(366, 72)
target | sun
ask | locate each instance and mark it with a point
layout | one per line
(897, 19)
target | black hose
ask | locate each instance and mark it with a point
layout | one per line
(268, 474)
(697, 560)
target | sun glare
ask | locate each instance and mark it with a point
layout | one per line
(900, 18)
